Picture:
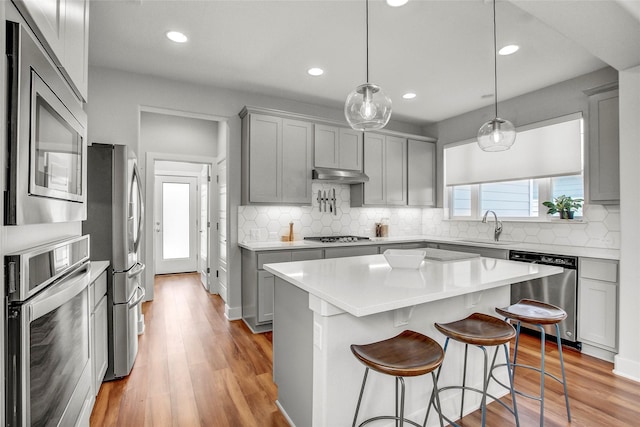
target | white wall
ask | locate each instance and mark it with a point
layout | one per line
(165, 133)
(117, 97)
(627, 362)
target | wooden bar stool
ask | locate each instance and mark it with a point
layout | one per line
(538, 314)
(480, 330)
(408, 354)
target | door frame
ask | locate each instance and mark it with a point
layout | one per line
(150, 250)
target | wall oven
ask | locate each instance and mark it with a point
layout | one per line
(47, 158)
(48, 368)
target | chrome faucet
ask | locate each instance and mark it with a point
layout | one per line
(498, 225)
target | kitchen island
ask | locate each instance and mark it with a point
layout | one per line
(324, 306)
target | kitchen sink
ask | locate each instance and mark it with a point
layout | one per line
(485, 242)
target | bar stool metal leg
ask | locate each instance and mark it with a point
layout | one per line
(485, 386)
(564, 377)
(464, 378)
(364, 382)
(409, 354)
(541, 369)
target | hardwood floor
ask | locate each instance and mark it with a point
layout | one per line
(195, 368)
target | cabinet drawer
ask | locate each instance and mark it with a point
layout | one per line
(350, 251)
(599, 269)
(306, 255)
(273, 257)
(416, 245)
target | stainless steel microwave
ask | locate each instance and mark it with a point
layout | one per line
(47, 127)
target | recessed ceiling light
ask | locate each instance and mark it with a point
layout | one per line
(409, 95)
(315, 71)
(397, 3)
(509, 49)
(177, 36)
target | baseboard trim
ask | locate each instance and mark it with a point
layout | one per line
(232, 313)
(286, 416)
(629, 369)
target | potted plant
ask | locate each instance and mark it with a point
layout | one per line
(564, 205)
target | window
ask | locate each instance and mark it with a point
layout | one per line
(545, 162)
(520, 199)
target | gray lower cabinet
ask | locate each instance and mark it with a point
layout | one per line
(604, 148)
(347, 251)
(421, 170)
(258, 284)
(598, 303)
(412, 245)
(99, 338)
(265, 296)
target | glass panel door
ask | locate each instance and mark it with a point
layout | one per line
(176, 224)
(175, 220)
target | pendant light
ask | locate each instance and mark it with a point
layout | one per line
(497, 134)
(367, 107)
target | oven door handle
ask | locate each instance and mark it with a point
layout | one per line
(137, 300)
(136, 270)
(56, 295)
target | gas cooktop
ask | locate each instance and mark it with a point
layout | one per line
(336, 239)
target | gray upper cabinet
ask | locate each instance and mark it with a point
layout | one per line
(277, 154)
(62, 26)
(385, 162)
(421, 173)
(604, 150)
(337, 148)
(76, 47)
(265, 153)
(350, 149)
(374, 152)
(297, 146)
(395, 170)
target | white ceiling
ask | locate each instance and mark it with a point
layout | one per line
(441, 50)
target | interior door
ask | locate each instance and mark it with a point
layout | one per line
(176, 224)
(205, 222)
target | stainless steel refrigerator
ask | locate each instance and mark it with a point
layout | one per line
(115, 214)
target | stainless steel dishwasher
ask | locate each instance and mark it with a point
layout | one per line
(560, 290)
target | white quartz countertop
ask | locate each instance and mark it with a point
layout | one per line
(580, 251)
(96, 268)
(367, 285)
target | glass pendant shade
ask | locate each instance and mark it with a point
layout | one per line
(496, 135)
(367, 108)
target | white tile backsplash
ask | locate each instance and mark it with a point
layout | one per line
(600, 227)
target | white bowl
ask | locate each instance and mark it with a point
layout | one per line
(404, 258)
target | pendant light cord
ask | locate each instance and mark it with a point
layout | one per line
(367, 37)
(495, 61)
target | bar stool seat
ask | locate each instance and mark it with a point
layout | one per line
(532, 311)
(480, 330)
(408, 354)
(538, 314)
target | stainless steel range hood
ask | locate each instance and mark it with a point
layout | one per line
(339, 176)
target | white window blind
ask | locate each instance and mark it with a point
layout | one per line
(546, 149)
